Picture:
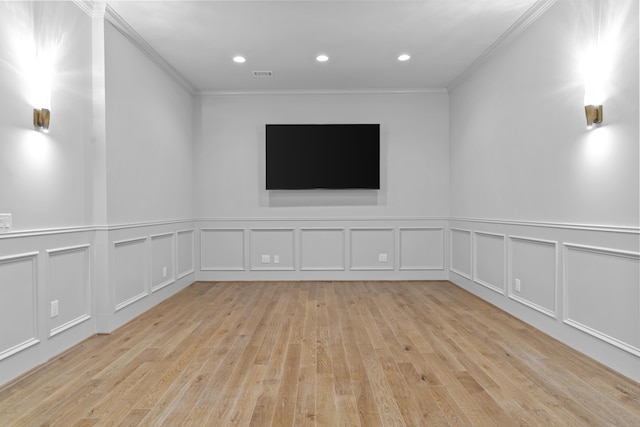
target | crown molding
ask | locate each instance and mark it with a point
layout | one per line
(322, 91)
(85, 5)
(529, 17)
(126, 30)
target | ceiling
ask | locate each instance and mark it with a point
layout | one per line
(362, 38)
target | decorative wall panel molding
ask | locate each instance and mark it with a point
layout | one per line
(272, 249)
(460, 252)
(87, 228)
(538, 280)
(372, 248)
(69, 283)
(556, 225)
(421, 248)
(602, 294)
(130, 271)
(322, 249)
(18, 303)
(222, 249)
(162, 263)
(306, 249)
(185, 260)
(489, 255)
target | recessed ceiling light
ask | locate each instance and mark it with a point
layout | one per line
(239, 59)
(322, 58)
(404, 57)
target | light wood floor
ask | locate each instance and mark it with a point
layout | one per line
(326, 353)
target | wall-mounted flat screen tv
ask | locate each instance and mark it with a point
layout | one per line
(322, 156)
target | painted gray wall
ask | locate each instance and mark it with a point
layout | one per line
(538, 198)
(44, 178)
(59, 186)
(149, 135)
(520, 149)
(394, 233)
(414, 155)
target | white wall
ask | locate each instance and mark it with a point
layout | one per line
(320, 233)
(43, 176)
(46, 184)
(414, 155)
(149, 138)
(102, 270)
(149, 184)
(519, 144)
(537, 197)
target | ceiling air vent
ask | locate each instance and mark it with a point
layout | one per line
(262, 73)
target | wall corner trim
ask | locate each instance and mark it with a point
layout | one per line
(127, 30)
(87, 6)
(529, 17)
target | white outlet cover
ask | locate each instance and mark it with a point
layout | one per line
(5, 222)
(54, 308)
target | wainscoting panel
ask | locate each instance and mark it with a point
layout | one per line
(130, 271)
(461, 256)
(222, 249)
(162, 260)
(370, 247)
(489, 254)
(272, 249)
(18, 303)
(322, 249)
(602, 294)
(537, 279)
(421, 248)
(69, 283)
(99, 275)
(185, 253)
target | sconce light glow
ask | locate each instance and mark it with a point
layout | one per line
(595, 68)
(43, 81)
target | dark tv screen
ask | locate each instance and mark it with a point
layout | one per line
(322, 156)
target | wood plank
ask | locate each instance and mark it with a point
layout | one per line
(322, 354)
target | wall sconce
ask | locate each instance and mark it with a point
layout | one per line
(41, 119)
(594, 115)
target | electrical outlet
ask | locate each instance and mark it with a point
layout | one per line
(266, 259)
(382, 257)
(54, 308)
(164, 271)
(276, 259)
(5, 223)
(518, 287)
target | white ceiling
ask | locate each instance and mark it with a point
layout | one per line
(363, 38)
